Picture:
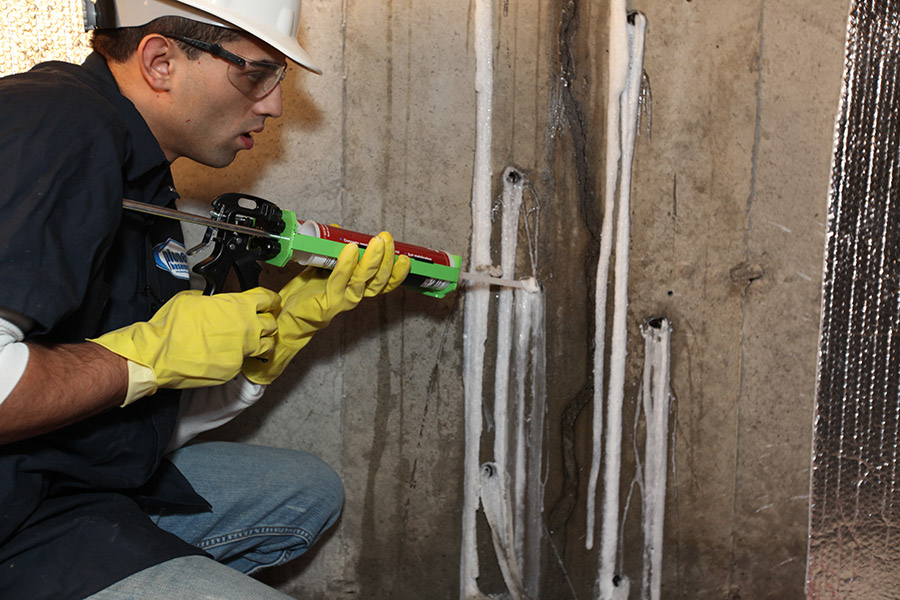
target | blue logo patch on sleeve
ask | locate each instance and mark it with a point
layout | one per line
(170, 256)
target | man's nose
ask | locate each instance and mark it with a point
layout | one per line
(271, 105)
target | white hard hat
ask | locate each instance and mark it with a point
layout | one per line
(275, 22)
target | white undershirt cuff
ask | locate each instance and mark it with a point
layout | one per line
(13, 358)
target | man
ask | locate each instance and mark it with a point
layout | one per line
(98, 338)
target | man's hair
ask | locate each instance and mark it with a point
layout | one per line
(118, 44)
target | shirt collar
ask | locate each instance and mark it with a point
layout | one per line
(145, 155)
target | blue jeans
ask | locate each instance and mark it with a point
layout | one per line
(269, 506)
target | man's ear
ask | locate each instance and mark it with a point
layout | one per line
(155, 54)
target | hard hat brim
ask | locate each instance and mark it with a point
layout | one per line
(281, 34)
(271, 36)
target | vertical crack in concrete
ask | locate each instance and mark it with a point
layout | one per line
(572, 116)
(374, 556)
(751, 196)
(344, 556)
(345, 103)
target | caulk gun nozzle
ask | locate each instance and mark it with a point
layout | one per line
(530, 284)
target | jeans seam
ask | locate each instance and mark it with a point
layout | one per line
(236, 536)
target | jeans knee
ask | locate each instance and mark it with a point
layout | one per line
(251, 486)
(326, 495)
(336, 490)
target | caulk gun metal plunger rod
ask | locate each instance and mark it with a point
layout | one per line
(179, 215)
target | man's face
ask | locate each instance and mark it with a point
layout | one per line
(213, 119)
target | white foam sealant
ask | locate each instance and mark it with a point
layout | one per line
(477, 297)
(531, 362)
(509, 487)
(515, 517)
(626, 48)
(495, 477)
(513, 183)
(655, 399)
(618, 75)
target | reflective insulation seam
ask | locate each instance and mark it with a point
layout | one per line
(854, 533)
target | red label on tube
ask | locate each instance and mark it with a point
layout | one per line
(346, 236)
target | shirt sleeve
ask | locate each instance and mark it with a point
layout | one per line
(60, 198)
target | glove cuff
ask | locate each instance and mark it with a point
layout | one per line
(141, 382)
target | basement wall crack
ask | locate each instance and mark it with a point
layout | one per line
(751, 196)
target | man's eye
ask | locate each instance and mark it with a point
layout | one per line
(256, 75)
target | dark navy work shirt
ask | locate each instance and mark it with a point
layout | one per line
(72, 502)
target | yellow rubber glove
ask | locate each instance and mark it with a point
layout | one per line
(195, 340)
(312, 299)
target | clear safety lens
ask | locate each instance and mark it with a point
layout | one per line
(255, 78)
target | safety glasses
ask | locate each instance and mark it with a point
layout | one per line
(255, 78)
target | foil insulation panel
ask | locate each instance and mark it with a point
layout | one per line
(854, 532)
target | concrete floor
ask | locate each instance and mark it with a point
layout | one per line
(729, 199)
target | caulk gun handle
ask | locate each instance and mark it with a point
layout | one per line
(216, 266)
(237, 250)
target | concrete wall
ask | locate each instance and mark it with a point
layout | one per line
(728, 227)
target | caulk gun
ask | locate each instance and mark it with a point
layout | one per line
(246, 230)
